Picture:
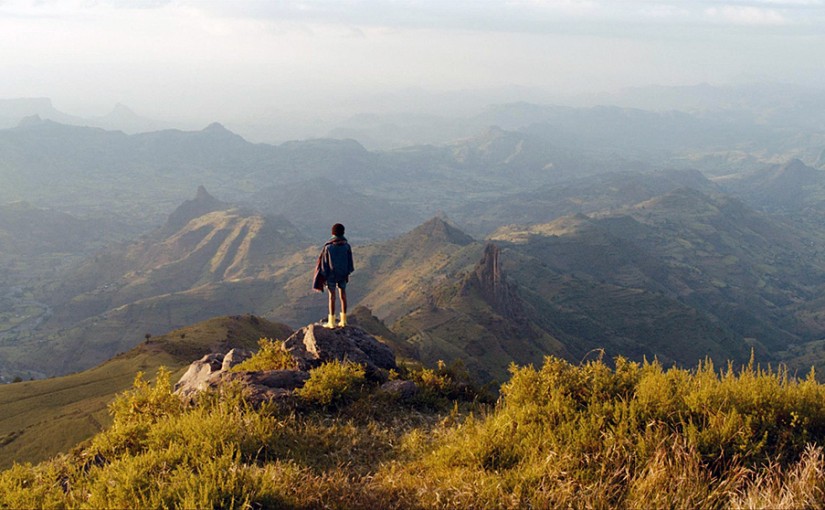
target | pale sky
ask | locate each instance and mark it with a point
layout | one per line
(180, 58)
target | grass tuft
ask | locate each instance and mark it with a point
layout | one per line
(271, 355)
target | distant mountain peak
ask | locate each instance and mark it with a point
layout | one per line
(218, 132)
(202, 195)
(796, 170)
(216, 127)
(203, 203)
(438, 229)
(121, 108)
(31, 120)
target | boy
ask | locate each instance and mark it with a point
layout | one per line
(336, 266)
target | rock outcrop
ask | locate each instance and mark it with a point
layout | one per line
(400, 389)
(314, 344)
(310, 346)
(203, 373)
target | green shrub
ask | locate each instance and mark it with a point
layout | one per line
(271, 355)
(333, 381)
(145, 402)
(446, 383)
(135, 410)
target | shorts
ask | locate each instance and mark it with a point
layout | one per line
(331, 285)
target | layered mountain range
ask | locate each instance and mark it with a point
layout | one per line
(512, 150)
(558, 239)
(640, 265)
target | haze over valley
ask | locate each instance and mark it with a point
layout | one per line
(646, 233)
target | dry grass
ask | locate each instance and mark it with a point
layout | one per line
(562, 436)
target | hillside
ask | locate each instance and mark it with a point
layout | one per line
(791, 187)
(481, 320)
(398, 275)
(713, 254)
(41, 418)
(203, 242)
(584, 195)
(209, 259)
(681, 276)
(609, 438)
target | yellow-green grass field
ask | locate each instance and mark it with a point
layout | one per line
(43, 417)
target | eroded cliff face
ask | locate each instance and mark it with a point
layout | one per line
(491, 282)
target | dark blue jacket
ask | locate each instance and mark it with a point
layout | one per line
(336, 260)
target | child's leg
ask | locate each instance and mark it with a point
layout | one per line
(343, 293)
(331, 317)
(331, 301)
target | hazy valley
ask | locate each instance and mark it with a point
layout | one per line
(614, 228)
(527, 231)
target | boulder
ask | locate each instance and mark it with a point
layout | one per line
(198, 377)
(266, 385)
(314, 344)
(284, 379)
(235, 357)
(400, 389)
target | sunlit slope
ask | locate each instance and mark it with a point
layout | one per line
(208, 260)
(480, 319)
(203, 242)
(41, 418)
(403, 272)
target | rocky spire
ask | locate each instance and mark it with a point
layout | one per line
(489, 272)
(493, 286)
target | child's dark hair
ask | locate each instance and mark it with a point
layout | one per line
(338, 230)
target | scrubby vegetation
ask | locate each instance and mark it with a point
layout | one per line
(271, 355)
(333, 382)
(633, 436)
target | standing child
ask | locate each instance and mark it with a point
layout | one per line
(335, 263)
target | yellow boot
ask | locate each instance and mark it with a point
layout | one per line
(330, 322)
(343, 321)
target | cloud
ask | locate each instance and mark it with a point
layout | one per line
(587, 17)
(746, 15)
(662, 11)
(177, 55)
(791, 3)
(135, 4)
(569, 7)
